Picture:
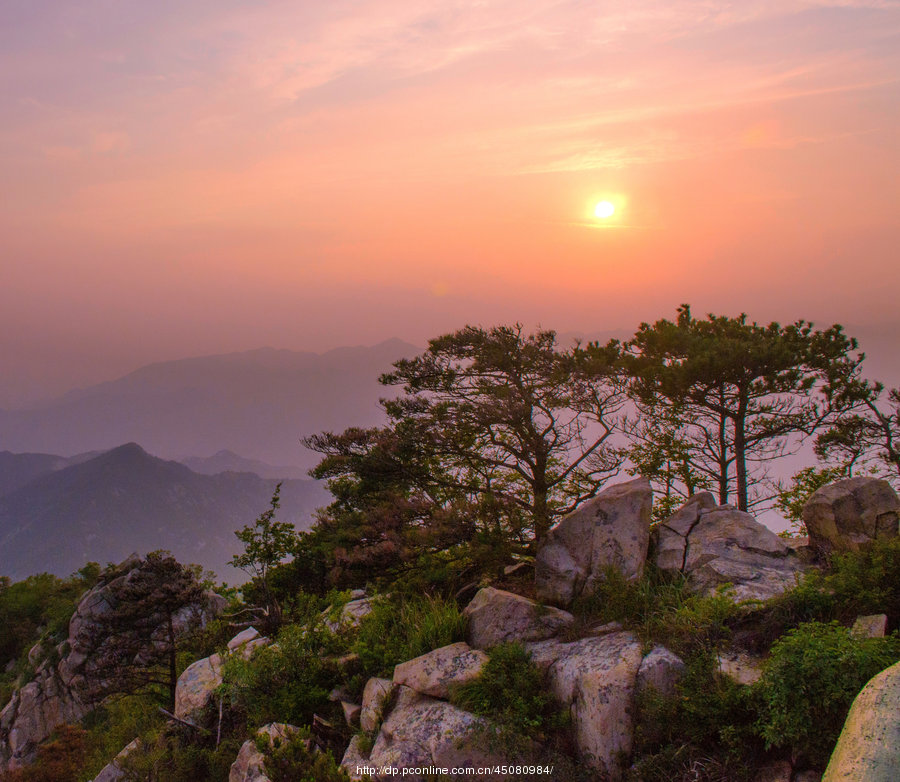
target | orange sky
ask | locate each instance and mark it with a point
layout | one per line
(193, 177)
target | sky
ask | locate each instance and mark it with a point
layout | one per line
(205, 176)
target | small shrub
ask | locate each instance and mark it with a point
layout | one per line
(294, 761)
(288, 681)
(175, 756)
(659, 607)
(704, 732)
(398, 630)
(814, 673)
(511, 691)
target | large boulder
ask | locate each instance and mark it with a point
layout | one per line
(196, 686)
(422, 732)
(198, 682)
(714, 546)
(868, 749)
(845, 515)
(596, 679)
(250, 764)
(438, 671)
(610, 530)
(496, 616)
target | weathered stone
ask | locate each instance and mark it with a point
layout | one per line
(740, 667)
(610, 530)
(33, 713)
(243, 637)
(869, 745)
(874, 626)
(350, 615)
(354, 758)
(496, 617)
(421, 731)
(595, 678)
(113, 771)
(375, 695)
(250, 763)
(195, 687)
(670, 537)
(436, 672)
(807, 776)
(661, 670)
(723, 545)
(845, 515)
(351, 713)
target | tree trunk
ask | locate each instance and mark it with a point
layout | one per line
(173, 675)
(723, 457)
(740, 455)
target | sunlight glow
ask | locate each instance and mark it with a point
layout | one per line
(604, 209)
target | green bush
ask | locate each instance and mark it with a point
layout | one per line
(812, 676)
(294, 761)
(398, 630)
(856, 582)
(288, 681)
(512, 692)
(175, 756)
(703, 732)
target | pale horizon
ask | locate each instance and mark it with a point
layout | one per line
(211, 177)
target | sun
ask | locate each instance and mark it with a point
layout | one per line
(604, 209)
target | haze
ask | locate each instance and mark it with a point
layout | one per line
(184, 178)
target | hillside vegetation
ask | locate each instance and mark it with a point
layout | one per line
(457, 535)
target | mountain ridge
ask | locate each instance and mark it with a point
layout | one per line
(76, 514)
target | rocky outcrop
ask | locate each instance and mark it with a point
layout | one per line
(868, 749)
(438, 671)
(33, 713)
(497, 617)
(596, 679)
(421, 731)
(610, 530)
(58, 692)
(845, 515)
(720, 545)
(250, 765)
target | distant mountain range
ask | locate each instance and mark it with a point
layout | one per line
(229, 461)
(258, 404)
(56, 514)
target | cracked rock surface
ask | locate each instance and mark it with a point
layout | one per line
(716, 545)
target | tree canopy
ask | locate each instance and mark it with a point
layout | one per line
(740, 392)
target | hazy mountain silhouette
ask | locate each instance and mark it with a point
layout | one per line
(229, 461)
(257, 403)
(126, 500)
